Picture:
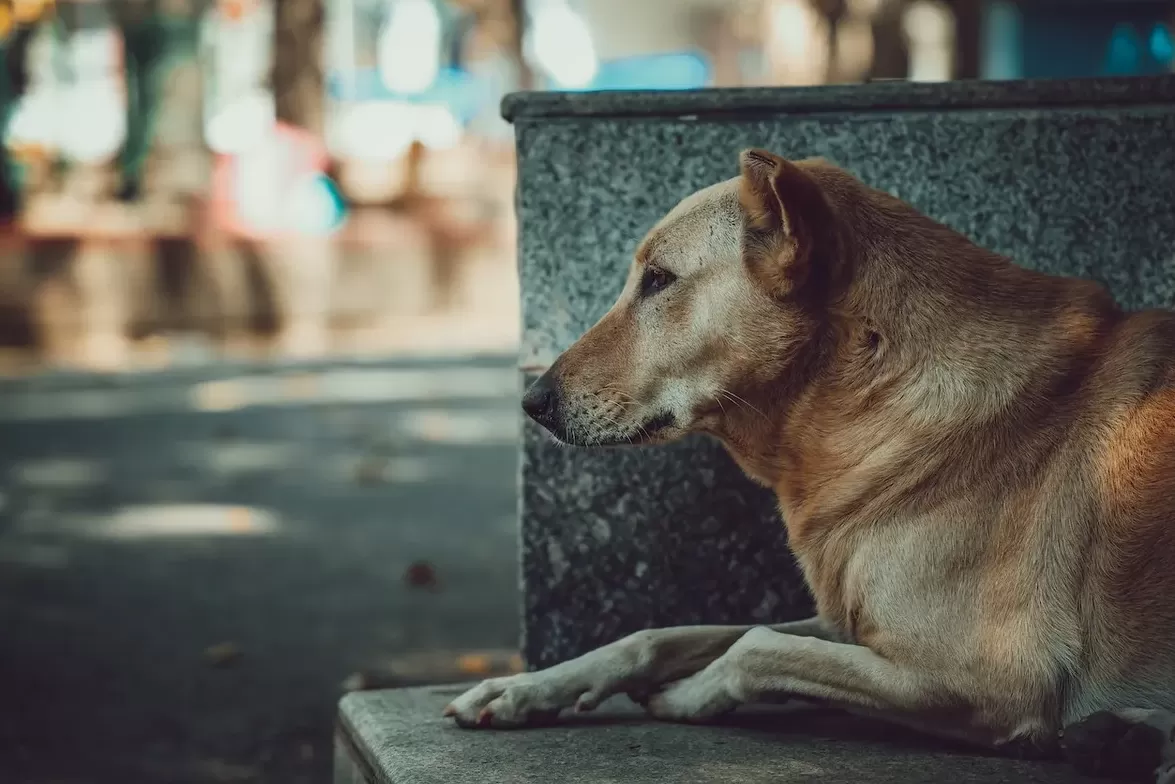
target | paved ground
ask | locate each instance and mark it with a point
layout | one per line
(192, 563)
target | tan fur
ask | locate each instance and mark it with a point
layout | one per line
(975, 462)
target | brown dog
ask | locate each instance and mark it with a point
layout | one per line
(976, 464)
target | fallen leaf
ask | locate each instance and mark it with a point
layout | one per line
(421, 574)
(474, 663)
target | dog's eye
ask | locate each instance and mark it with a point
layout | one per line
(655, 280)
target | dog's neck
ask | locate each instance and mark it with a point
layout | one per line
(932, 348)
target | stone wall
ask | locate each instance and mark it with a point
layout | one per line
(1068, 177)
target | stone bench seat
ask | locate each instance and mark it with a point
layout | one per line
(398, 737)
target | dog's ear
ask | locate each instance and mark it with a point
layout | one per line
(783, 206)
(759, 192)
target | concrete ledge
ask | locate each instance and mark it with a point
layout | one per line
(399, 737)
(744, 103)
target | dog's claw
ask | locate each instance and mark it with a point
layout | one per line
(485, 718)
(449, 711)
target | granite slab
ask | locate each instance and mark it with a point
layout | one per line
(876, 96)
(398, 737)
(1069, 177)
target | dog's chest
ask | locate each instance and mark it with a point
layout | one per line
(893, 586)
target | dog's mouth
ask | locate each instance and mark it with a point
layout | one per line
(657, 424)
(654, 430)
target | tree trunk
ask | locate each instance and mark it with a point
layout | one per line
(890, 58)
(518, 29)
(297, 77)
(300, 270)
(968, 32)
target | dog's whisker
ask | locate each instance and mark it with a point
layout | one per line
(598, 397)
(620, 393)
(738, 401)
(608, 418)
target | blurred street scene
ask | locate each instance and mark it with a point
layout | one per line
(258, 316)
(186, 181)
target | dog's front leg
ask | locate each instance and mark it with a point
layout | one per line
(637, 664)
(767, 666)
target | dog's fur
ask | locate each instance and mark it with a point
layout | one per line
(975, 463)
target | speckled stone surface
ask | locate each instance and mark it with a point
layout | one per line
(398, 737)
(1068, 177)
(878, 96)
(618, 539)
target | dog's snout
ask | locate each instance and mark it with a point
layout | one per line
(541, 401)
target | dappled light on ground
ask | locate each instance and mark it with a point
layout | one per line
(59, 473)
(242, 459)
(461, 428)
(157, 520)
(109, 397)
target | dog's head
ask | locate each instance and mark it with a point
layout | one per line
(721, 295)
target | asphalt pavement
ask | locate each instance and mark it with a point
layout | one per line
(193, 563)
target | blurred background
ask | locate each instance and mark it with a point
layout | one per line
(258, 315)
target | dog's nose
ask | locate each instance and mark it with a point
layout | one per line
(541, 400)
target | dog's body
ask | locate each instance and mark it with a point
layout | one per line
(975, 463)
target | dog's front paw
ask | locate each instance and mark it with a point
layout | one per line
(525, 699)
(700, 697)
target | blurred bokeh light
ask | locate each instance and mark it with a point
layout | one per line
(161, 158)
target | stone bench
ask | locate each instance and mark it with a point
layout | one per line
(1072, 177)
(399, 737)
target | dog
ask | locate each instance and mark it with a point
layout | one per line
(975, 463)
